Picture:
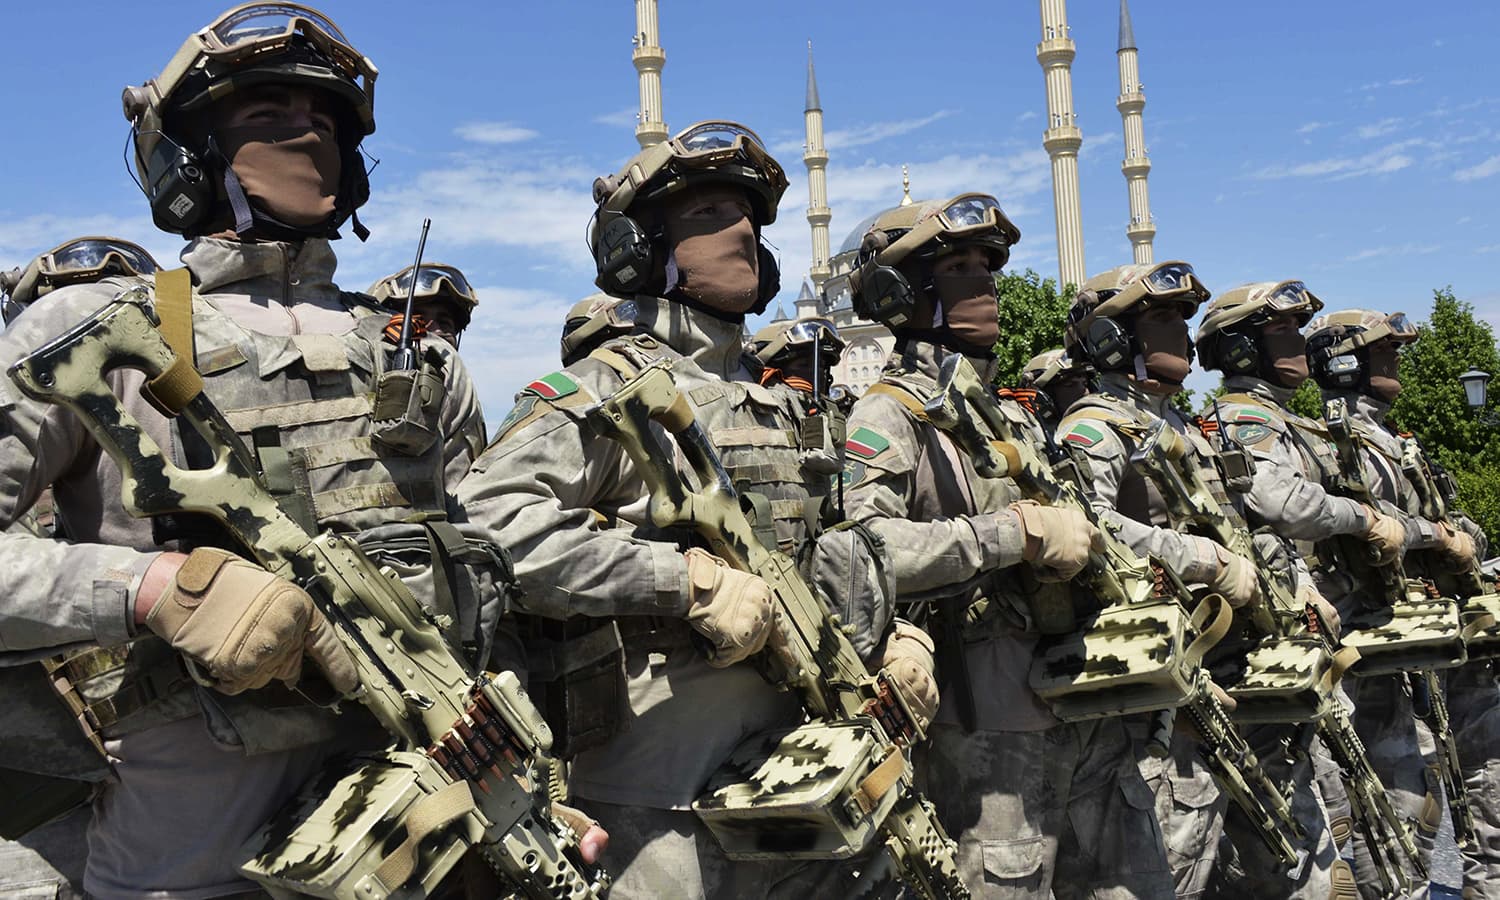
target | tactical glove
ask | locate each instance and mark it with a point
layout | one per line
(908, 658)
(1456, 546)
(1308, 596)
(245, 626)
(729, 607)
(1058, 540)
(1235, 579)
(1385, 534)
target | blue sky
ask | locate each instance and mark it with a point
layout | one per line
(1354, 145)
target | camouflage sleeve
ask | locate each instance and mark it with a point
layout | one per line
(1481, 541)
(553, 493)
(53, 593)
(1281, 495)
(1191, 557)
(883, 491)
(462, 421)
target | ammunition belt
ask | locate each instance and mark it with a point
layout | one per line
(147, 671)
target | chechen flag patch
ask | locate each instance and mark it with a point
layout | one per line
(866, 443)
(1084, 435)
(1252, 417)
(550, 387)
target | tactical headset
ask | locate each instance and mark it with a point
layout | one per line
(626, 255)
(1229, 335)
(1338, 352)
(1336, 371)
(881, 293)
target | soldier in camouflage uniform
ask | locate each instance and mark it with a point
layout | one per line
(247, 145)
(654, 714)
(1058, 382)
(443, 298)
(1252, 334)
(1036, 804)
(1130, 324)
(1354, 355)
(592, 321)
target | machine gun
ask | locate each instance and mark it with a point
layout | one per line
(966, 409)
(464, 775)
(1283, 637)
(836, 785)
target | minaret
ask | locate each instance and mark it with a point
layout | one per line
(905, 186)
(1137, 164)
(816, 158)
(648, 58)
(1062, 139)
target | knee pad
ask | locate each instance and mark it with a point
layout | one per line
(1342, 828)
(1341, 885)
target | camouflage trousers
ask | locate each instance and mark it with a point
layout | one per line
(47, 864)
(669, 854)
(1401, 752)
(1474, 714)
(1189, 809)
(1246, 867)
(1063, 809)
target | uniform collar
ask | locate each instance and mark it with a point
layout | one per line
(270, 272)
(716, 345)
(925, 357)
(1122, 386)
(1260, 387)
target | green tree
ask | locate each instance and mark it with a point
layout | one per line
(1308, 401)
(1432, 406)
(1032, 314)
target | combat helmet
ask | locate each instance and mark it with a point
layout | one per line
(812, 344)
(79, 261)
(181, 170)
(1048, 365)
(626, 243)
(592, 321)
(435, 281)
(1094, 333)
(1338, 344)
(904, 242)
(1227, 338)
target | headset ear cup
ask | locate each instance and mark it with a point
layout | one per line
(883, 295)
(1106, 343)
(179, 189)
(1238, 354)
(622, 256)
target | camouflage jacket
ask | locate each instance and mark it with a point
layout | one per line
(948, 529)
(1382, 464)
(574, 514)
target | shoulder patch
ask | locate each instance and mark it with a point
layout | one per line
(1083, 434)
(551, 387)
(1251, 416)
(866, 443)
(853, 473)
(525, 403)
(1249, 433)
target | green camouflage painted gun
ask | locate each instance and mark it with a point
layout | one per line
(1122, 581)
(830, 788)
(1290, 667)
(469, 746)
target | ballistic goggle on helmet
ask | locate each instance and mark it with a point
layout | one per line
(779, 342)
(250, 45)
(931, 229)
(592, 321)
(1124, 288)
(1254, 303)
(434, 281)
(79, 261)
(1048, 366)
(1350, 330)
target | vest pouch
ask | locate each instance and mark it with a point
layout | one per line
(1139, 657)
(1419, 634)
(407, 403)
(1480, 616)
(1287, 680)
(576, 676)
(819, 791)
(460, 576)
(332, 838)
(849, 567)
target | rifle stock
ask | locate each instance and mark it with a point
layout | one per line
(808, 652)
(480, 732)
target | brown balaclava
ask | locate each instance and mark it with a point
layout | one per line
(1163, 341)
(713, 248)
(1385, 382)
(968, 304)
(290, 172)
(1286, 352)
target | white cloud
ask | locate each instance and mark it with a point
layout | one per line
(1489, 248)
(512, 342)
(621, 118)
(1028, 115)
(861, 135)
(1391, 158)
(1394, 82)
(1378, 129)
(1310, 127)
(23, 237)
(1485, 169)
(1408, 249)
(493, 132)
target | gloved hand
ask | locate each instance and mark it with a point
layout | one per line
(731, 608)
(592, 838)
(908, 657)
(1235, 578)
(1386, 534)
(1307, 595)
(1057, 540)
(245, 626)
(1456, 546)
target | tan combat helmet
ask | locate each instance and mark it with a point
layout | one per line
(250, 45)
(1248, 306)
(435, 281)
(592, 321)
(625, 242)
(79, 261)
(1092, 333)
(779, 343)
(1046, 366)
(1337, 344)
(923, 232)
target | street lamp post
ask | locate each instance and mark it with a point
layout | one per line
(1476, 384)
